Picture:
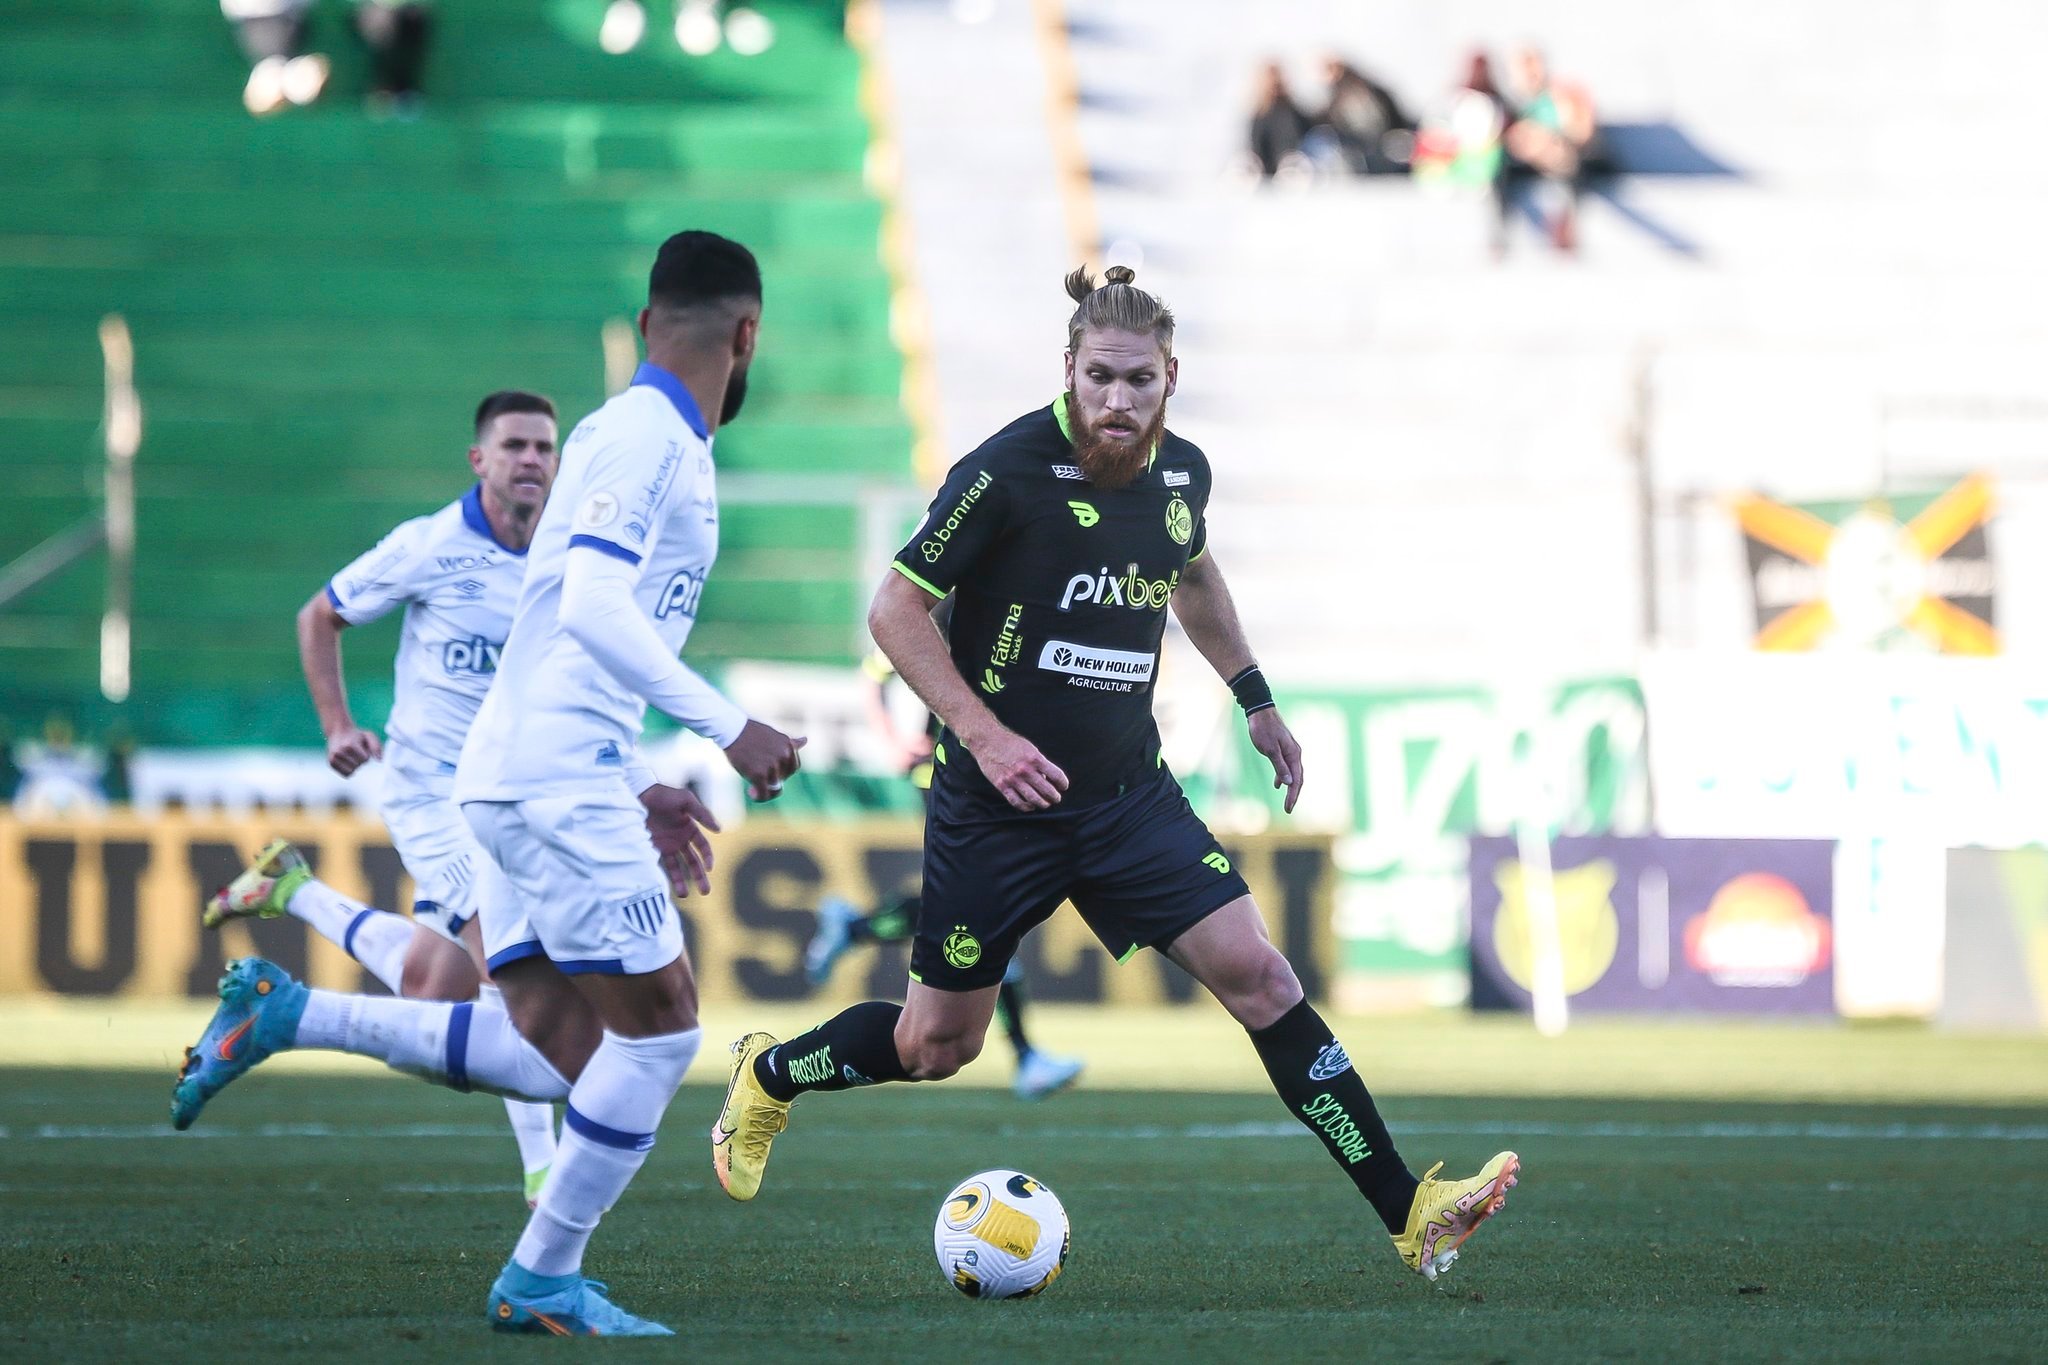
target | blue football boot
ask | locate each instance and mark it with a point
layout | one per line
(561, 1305)
(259, 1013)
(830, 940)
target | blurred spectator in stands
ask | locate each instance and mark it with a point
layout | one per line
(1277, 124)
(1549, 143)
(1361, 128)
(10, 771)
(395, 31)
(273, 37)
(117, 782)
(1458, 146)
(58, 776)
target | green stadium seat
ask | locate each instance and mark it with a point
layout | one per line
(318, 300)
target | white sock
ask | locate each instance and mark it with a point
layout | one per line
(376, 938)
(607, 1132)
(471, 1046)
(533, 1125)
(327, 910)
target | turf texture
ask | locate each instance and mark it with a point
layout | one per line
(348, 1216)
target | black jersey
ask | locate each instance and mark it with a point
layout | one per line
(1060, 594)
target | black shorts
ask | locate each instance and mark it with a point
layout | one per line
(1141, 868)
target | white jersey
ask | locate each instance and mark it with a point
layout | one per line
(458, 585)
(636, 483)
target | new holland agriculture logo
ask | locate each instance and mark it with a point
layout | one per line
(1903, 572)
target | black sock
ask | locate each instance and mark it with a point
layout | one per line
(856, 1046)
(1010, 1009)
(1319, 1087)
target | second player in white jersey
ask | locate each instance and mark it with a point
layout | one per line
(458, 584)
(456, 575)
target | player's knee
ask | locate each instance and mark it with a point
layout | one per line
(437, 975)
(1260, 988)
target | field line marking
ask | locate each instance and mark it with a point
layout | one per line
(1816, 1131)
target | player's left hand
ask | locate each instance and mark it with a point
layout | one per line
(678, 823)
(1271, 737)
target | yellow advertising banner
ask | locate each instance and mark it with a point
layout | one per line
(109, 906)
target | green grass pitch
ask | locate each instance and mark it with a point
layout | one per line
(356, 1217)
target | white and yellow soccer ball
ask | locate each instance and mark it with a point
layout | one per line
(1001, 1235)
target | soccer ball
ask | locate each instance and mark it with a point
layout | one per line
(1001, 1235)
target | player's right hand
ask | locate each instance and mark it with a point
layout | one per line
(350, 749)
(1027, 779)
(678, 822)
(765, 757)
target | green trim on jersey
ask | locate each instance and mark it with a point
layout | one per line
(1130, 953)
(900, 567)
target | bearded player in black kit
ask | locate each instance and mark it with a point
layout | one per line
(1063, 539)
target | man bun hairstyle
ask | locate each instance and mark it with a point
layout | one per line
(697, 268)
(497, 404)
(1117, 304)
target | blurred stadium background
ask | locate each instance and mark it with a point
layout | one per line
(1661, 604)
(1722, 529)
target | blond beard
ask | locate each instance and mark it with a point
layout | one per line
(1110, 463)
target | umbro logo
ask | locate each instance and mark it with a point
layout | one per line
(469, 587)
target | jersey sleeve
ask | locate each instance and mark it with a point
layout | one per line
(387, 576)
(965, 521)
(628, 488)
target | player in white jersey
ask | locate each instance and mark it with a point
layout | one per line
(456, 572)
(599, 1005)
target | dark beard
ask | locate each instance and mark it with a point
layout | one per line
(1110, 463)
(735, 397)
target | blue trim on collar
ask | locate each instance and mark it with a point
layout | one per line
(655, 377)
(473, 517)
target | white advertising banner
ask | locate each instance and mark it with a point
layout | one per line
(1945, 752)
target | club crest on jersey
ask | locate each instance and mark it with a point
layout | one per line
(680, 596)
(1180, 522)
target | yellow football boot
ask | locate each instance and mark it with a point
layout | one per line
(1446, 1212)
(262, 889)
(746, 1127)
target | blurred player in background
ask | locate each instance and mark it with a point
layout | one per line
(841, 925)
(599, 1005)
(1063, 539)
(457, 573)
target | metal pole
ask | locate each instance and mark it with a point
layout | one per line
(123, 428)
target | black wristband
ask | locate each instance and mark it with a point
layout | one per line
(1252, 690)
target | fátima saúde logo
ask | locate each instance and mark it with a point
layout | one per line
(961, 948)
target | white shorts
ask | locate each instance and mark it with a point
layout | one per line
(437, 848)
(588, 890)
